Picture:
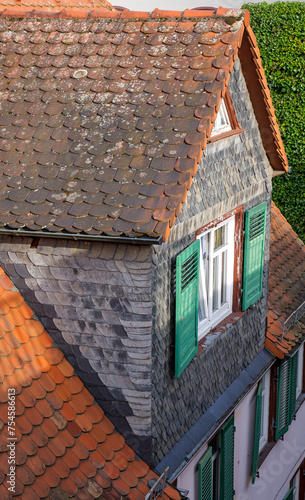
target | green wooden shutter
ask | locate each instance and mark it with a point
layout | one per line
(257, 431)
(187, 289)
(227, 460)
(205, 476)
(289, 495)
(283, 399)
(293, 385)
(255, 226)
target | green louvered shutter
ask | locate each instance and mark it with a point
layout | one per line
(289, 495)
(187, 289)
(227, 460)
(293, 385)
(257, 431)
(255, 226)
(205, 476)
(283, 399)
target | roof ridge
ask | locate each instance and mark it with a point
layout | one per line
(94, 13)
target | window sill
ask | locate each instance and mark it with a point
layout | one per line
(299, 402)
(218, 331)
(218, 137)
(265, 452)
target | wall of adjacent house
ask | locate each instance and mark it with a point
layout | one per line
(279, 466)
(188, 479)
(233, 172)
(95, 301)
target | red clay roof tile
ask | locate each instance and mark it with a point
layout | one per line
(63, 393)
(58, 420)
(61, 468)
(71, 459)
(49, 428)
(87, 468)
(35, 415)
(51, 477)
(68, 412)
(97, 432)
(45, 380)
(120, 462)
(102, 479)
(74, 429)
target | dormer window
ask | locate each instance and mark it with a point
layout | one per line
(207, 278)
(222, 123)
(226, 123)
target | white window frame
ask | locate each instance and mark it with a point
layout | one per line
(299, 383)
(295, 484)
(263, 436)
(212, 318)
(222, 122)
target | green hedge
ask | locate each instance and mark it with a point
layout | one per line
(280, 33)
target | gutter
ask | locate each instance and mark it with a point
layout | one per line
(141, 240)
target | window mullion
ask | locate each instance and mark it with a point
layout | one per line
(219, 279)
(203, 286)
(220, 250)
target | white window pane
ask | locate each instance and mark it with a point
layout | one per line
(296, 486)
(222, 121)
(223, 278)
(216, 275)
(219, 237)
(264, 411)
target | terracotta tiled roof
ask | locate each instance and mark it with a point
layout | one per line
(286, 285)
(104, 120)
(65, 446)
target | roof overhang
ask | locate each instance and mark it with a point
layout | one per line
(255, 77)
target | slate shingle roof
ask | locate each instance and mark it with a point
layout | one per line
(286, 285)
(65, 446)
(103, 120)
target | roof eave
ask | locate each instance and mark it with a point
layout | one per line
(262, 102)
(134, 240)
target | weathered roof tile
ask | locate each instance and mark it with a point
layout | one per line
(104, 95)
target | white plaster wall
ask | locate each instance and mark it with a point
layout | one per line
(277, 469)
(188, 478)
(279, 466)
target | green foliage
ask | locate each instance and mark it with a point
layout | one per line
(280, 33)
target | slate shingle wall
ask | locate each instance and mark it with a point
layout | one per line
(95, 301)
(233, 171)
